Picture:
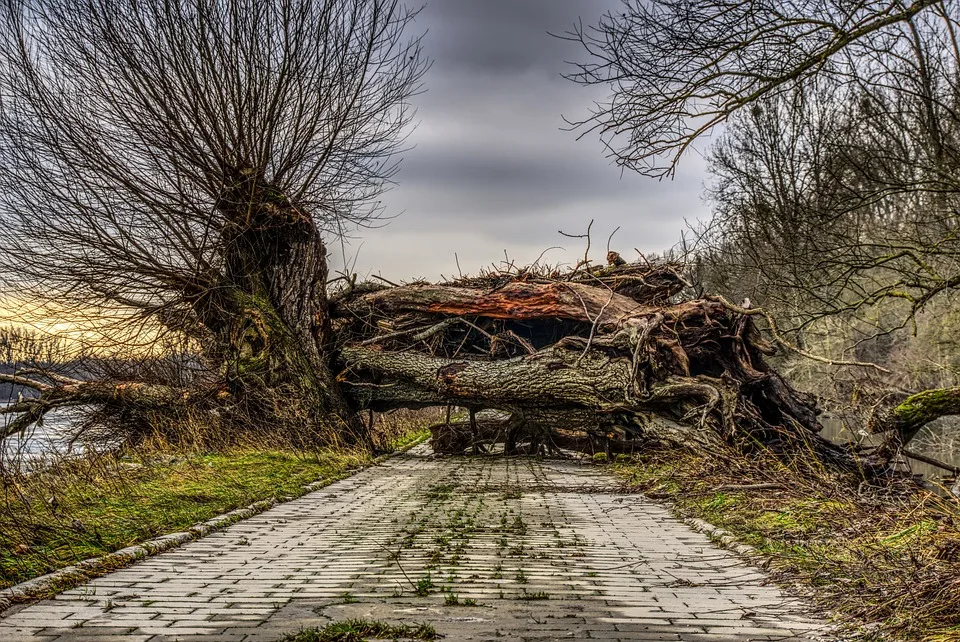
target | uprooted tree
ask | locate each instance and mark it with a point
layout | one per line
(596, 359)
(177, 164)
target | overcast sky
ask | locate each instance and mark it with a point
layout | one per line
(491, 168)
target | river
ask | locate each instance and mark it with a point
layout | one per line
(43, 442)
(939, 440)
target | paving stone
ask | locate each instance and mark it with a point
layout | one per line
(547, 550)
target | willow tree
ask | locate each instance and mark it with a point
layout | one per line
(179, 164)
(838, 172)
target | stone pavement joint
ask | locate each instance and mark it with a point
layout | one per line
(483, 548)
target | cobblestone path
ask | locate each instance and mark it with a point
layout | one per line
(546, 549)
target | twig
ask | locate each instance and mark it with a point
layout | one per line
(513, 336)
(593, 326)
(786, 344)
(535, 263)
(396, 558)
(418, 333)
(930, 460)
(475, 327)
(377, 276)
(586, 254)
(744, 487)
(643, 257)
(610, 238)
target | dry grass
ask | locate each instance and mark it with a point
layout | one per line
(885, 560)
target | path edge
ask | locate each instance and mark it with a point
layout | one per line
(722, 538)
(68, 577)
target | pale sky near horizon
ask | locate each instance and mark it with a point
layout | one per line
(490, 166)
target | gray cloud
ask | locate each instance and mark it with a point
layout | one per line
(503, 36)
(491, 166)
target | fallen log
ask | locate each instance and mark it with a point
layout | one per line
(597, 357)
(61, 392)
(572, 355)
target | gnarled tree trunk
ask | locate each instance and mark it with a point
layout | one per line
(588, 354)
(262, 327)
(268, 322)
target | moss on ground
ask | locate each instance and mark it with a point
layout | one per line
(885, 560)
(87, 507)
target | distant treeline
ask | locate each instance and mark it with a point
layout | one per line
(22, 345)
(22, 348)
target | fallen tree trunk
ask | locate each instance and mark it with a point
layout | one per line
(57, 391)
(905, 419)
(574, 356)
(597, 357)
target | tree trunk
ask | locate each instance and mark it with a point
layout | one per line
(271, 325)
(905, 419)
(575, 361)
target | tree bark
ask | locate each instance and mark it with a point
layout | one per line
(271, 330)
(575, 357)
(906, 418)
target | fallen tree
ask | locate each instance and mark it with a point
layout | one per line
(591, 360)
(598, 359)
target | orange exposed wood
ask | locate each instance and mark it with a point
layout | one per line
(516, 300)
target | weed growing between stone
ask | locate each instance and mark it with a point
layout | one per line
(424, 586)
(886, 560)
(452, 599)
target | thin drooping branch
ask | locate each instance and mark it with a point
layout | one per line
(679, 68)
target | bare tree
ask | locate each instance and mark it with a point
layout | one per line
(177, 164)
(837, 184)
(678, 68)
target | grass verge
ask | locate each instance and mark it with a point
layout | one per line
(82, 508)
(885, 560)
(360, 630)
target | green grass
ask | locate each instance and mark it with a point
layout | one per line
(424, 586)
(452, 599)
(88, 507)
(887, 563)
(360, 630)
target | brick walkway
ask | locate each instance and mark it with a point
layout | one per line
(548, 550)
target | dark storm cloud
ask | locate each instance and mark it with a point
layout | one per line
(491, 167)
